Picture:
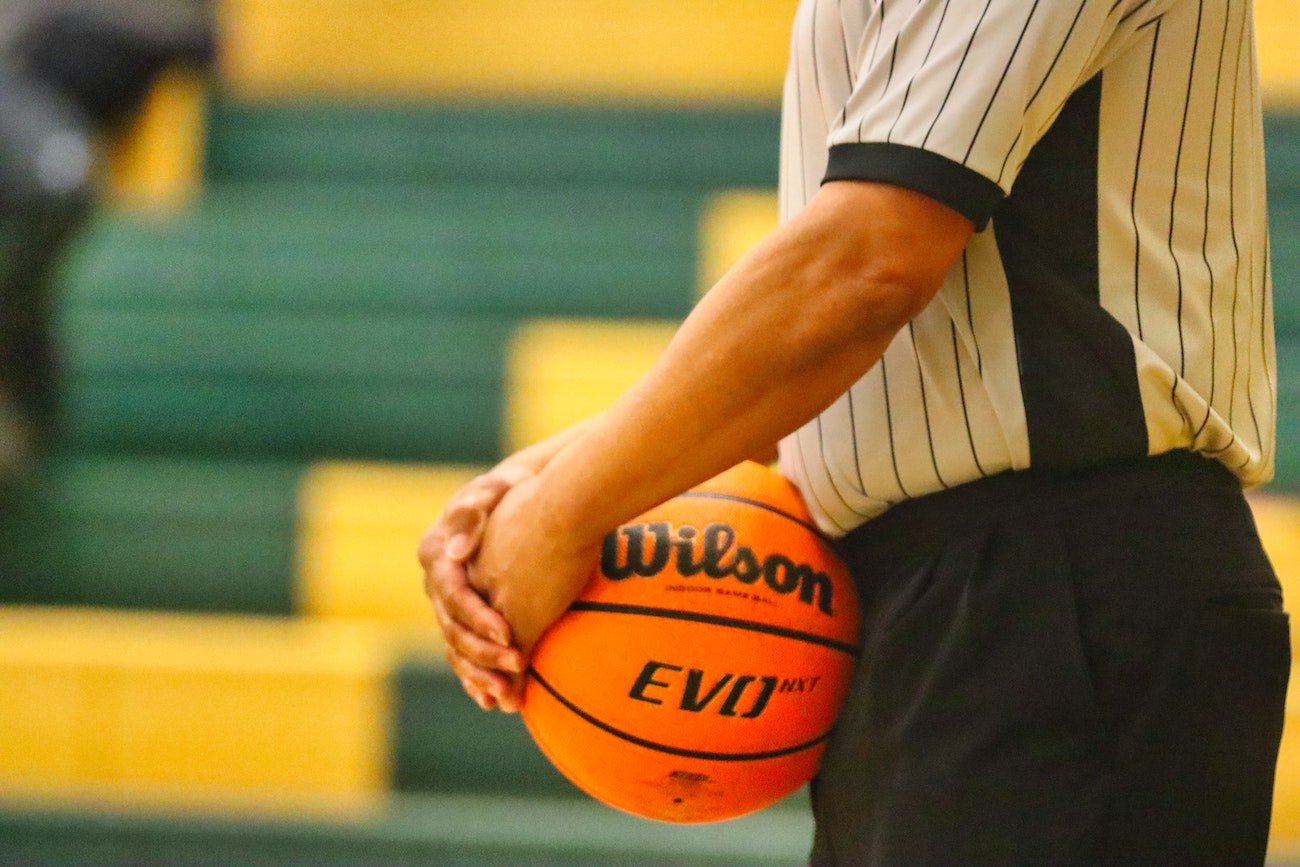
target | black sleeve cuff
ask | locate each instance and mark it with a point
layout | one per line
(964, 190)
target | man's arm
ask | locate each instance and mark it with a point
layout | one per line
(470, 628)
(465, 619)
(800, 319)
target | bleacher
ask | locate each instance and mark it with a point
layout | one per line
(399, 239)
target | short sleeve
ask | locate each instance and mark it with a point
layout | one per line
(951, 95)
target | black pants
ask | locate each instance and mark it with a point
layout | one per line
(1061, 669)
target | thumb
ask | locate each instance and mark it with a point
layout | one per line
(460, 547)
(512, 474)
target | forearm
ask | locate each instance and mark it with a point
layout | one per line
(707, 405)
(777, 341)
(536, 456)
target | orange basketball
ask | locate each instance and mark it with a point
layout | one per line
(699, 673)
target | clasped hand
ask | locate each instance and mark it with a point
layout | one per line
(500, 569)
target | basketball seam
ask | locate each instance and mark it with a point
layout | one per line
(716, 620)
(715, 495)
(665, 748)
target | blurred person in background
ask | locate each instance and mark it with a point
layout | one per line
(73, 74)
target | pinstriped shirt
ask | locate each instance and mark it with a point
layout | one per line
(1115, 300)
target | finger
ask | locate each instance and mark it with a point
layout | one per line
(431, 545)
(476, 687)
(490, 685)
(466, 520)
(462, 545)
(468, 655)
(460, 513)
(480, 697)
(511, 700)
(480, 495)
(442, 540)
(481, 653)
(449, 587)
(442, 576)
(466, 516)
(481, 686)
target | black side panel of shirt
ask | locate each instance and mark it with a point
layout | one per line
(1077, 369)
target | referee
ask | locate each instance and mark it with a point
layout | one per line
(1014, 337)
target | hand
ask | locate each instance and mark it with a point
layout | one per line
(477, 638)
(531, 567)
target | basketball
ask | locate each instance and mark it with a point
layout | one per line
(698, 675)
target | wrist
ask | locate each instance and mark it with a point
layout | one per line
(570, 512)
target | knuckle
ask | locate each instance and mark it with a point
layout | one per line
(431, 543)
(492, 487)
(479, 653)
(474, 510)
(468, 521)
(440, 613)
(464, 607)
(454, 634)
(451, 642)
(456, 516)
(500, 483)
(448, 577)
(427, 551)
(465, 674)
(468, 490)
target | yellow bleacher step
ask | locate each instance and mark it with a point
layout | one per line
(1286, 793)
(221, 705)
(1279, 59)
(732, 223)
(157, 164)
(658, 51)
(359, 525)
(562, 371)
(1278, 521)
(360, 522)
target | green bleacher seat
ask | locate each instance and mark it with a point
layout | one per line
(410, 832)
(1284, 226)
(159, 534)
(1282, 150)
(220, 382)
(527, 145)
(1288, 414)
(1282, 142)
(418, 253)
(406, 420)
(440, 737)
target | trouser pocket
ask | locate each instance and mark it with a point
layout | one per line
(1198, 786)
